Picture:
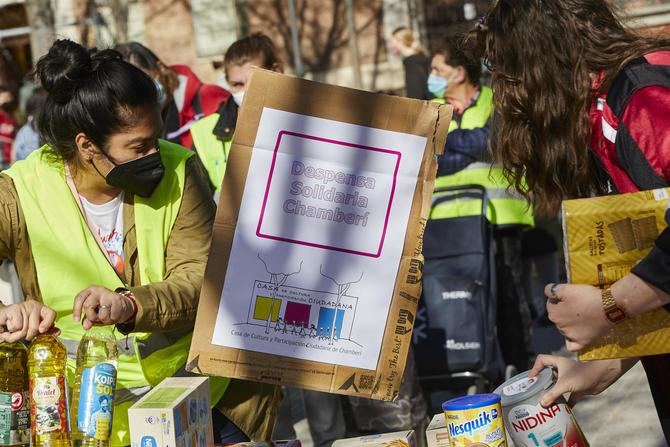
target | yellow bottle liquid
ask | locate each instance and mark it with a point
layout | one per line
(48, 399)
(14, 411)
(92, 407)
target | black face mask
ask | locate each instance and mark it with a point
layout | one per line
(140, 176)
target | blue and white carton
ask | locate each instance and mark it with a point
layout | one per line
(176, 413)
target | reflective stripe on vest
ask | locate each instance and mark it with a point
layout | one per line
(506, 206)
(212, 150)
(68, 259)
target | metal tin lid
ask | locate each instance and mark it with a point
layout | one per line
(468, 402)
(521, 387)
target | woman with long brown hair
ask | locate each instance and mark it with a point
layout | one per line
(584, 108)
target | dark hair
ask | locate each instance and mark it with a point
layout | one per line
(139, 55)
(142, 57)
(89, 91)
(104, 398)
(252, 47)
(456, 55)
(35, 103)
(543, 55)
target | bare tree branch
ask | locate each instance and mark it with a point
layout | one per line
(278, 273)
(337, 283)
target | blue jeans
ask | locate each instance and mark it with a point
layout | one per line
(225, 432)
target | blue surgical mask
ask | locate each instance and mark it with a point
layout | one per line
(160, 90)
(437, 85)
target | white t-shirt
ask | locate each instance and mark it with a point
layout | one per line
(107, 220)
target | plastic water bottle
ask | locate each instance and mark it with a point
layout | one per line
(48, 398)
(93, 392)
(14, 411)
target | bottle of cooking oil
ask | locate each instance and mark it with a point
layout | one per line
(14, 411)
(48, 398)
(94, 386)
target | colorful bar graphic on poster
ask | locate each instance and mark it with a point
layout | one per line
(309, 314)
(318, 240)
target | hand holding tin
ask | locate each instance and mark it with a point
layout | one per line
(579, 379)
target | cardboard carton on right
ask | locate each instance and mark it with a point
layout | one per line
(604, 237)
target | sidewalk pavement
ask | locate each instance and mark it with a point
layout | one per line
(622, 415)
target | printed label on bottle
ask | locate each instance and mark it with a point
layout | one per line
(96, 401)
(47, 408)
(14, 418)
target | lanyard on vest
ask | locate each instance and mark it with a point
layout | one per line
(96, 236)
(185, 128)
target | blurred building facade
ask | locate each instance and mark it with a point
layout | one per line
(197, 32)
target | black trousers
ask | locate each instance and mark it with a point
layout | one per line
(657, 368)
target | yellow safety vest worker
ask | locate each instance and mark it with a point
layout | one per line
(212, 150)
(506, 206)
(68, 259)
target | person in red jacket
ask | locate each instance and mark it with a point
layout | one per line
(8, 124)
(583, 107)
(185, 98)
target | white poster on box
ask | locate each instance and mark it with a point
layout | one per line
(318, 240)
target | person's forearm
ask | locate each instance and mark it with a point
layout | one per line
(637, 296)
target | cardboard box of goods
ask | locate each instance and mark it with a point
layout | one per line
(398, 439)
(604, 237)
(175, 413)
(437, 434)
(314, 271)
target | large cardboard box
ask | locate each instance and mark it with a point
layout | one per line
(398, 439)
(176, 413)
(604, 238)
(314, 273)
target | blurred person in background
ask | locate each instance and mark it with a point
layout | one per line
(414, 60)
(213, 135)
(583, 105)
(27, 139)
(455, 80)
(8, 124)
(184, 98)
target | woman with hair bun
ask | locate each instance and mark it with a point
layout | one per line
(108, 225)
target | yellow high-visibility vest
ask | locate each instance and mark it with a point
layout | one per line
(68, 259)
(212, 150)
(506, 206)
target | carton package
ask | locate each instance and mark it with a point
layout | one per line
(398, 439)
(176, 413)
(437, 433)
(314, 271)
(293, 443)
(604, 238)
